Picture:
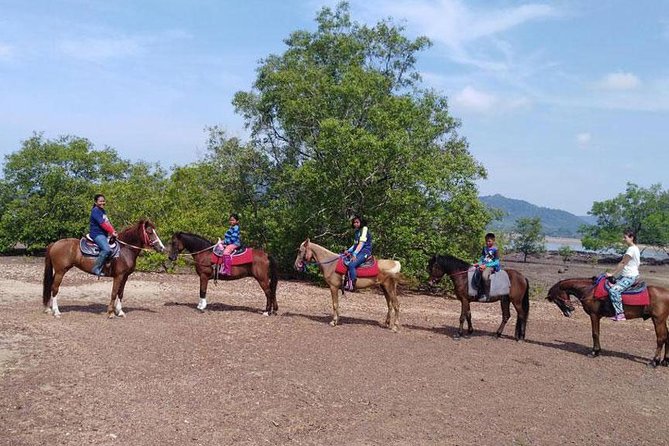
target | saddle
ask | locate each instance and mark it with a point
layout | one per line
(240, 256)
(637, 294)
(500, 285)
(369, 268)
(88, 247)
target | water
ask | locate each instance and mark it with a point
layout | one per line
(553, 244)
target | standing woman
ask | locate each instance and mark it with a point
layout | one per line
(360, 251)
(99, 229)
(626, 273)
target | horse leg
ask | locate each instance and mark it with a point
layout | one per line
(204, 281)
(118, 306)
(334, 291)
(594, 322)
(390, 306)
(115, 287)
(392, 290)
(465, 314)
(264, 284)
(661, 334)
(57, 279)
(506, 315)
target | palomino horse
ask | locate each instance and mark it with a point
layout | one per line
(387, 279)
(65, 253)
(583, 290)
(263, 267)
(519, 294)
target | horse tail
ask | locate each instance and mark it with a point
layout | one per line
(273, 276)
(48, 277)
(526, 299)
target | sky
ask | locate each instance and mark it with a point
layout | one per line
(563, 102)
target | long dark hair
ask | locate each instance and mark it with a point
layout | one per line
(363, 222)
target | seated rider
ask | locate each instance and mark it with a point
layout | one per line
(626, 273)
(488, 264)
(359, 251)
(231, 241)
(99, 228)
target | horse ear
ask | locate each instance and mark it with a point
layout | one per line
(306, 242)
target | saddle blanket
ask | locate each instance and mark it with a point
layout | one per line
(637, 294)
(89, 248)
(370, 268)
(241, 256)
(500, 285)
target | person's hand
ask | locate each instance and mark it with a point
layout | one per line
(353, 257)
(609, 274)
(482, 267)
(114, 234)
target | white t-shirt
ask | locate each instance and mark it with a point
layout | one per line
(631, 269)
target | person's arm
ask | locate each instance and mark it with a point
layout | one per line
(621, 265)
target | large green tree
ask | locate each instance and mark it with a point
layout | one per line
(345, 128)
(644, 210)
(48, 186)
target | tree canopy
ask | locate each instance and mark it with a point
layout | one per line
(643, 210)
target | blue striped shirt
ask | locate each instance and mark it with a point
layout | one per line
(232, 236)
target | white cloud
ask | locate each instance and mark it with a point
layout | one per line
(472, 99)
(5, 51)
(479, 101)
(583, 139)
(619, 81)
(99, 49)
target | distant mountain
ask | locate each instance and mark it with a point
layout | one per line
(555, 222)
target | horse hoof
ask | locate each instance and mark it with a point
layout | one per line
(593, 354)
(47, 310)
(654, 363)
(121, 314)
(56, 315)
(665, 362)
(265, 313)
(333, 323)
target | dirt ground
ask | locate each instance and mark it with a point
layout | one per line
(168, 375)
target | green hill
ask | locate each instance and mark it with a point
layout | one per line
(555, 222)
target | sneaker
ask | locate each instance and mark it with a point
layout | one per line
(619, 317)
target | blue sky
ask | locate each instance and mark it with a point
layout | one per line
(564, 102)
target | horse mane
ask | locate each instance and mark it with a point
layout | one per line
(132, 233)
(450, 263)
(195, 242)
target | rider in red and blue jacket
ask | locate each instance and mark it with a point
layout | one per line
(99, 229)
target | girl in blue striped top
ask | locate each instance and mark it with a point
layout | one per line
(231, 241)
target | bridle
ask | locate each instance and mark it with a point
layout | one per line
(146, 240)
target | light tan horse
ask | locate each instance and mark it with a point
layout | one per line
(387, 279)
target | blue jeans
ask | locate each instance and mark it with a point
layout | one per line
(103, 244)
(353, 264)
(616, 292)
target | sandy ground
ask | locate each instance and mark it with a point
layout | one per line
(167, 374)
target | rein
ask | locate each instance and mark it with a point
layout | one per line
(196, 252)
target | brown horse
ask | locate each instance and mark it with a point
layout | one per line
(387, 279)
(65, 253)
(263, 268)
(583, 290)
(519, 294)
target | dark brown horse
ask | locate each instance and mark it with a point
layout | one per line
(65, 253)
(263, 267)
(456, 269)
(582, 289)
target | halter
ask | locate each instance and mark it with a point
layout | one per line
(309, 254)
(146, 240)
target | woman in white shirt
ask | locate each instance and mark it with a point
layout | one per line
(626, 273)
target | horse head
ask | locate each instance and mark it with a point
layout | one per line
(435, 270)
(150, 236)
(176, 246)
(304, 255)
(561, 298)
